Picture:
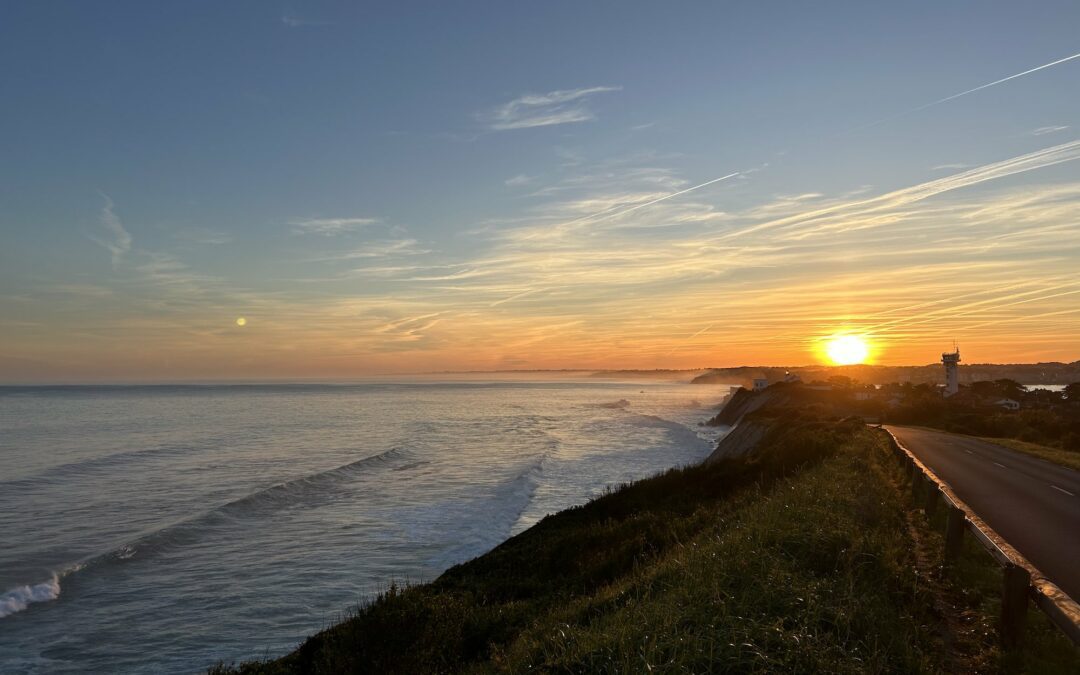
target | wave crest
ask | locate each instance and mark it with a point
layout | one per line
(305, 490)
(622, 403)
(20, 597)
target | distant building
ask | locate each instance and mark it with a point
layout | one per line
(760, 383)
(1008, 404)
(863, 395)
(952, 376)
(791, 377)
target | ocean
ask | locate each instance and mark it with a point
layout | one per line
(160, 529)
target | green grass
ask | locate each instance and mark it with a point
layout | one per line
(806, 577)
(796, 560)
(1066, 458)
(1069, 458)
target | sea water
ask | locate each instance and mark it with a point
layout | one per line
(162, 529)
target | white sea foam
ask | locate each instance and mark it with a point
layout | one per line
(19, 598)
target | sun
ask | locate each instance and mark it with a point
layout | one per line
(241, 321)
(846, 350)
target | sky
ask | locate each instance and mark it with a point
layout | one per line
(379, 188)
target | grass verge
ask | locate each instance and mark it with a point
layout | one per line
(1069, 458)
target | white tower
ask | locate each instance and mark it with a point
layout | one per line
(952, 377)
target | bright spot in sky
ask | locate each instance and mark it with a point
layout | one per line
(241, 321)
(845, 350)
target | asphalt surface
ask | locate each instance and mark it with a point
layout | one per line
(1033, 504)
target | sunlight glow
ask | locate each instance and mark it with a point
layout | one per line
(241, 321)
(846, 350)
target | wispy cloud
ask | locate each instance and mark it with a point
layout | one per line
(385, 248)
(950, 167)
(564, 106)
(1042, 131)
(118, 241)
(331, 227)
(518, 180)
(859, 214)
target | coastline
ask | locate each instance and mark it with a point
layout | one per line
(798, 514)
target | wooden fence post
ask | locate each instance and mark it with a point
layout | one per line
(1014, 596)
(954, 534)
(930, 498)
(916, 483)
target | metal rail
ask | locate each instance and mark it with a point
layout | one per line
(1021, 579)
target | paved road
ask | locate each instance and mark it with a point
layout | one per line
(1033, 504)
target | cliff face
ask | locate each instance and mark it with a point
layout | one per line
(744, 402)
(733, 410)
(745, 437)
(749, 431)
(741, 441)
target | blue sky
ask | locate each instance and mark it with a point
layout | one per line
(409, 186)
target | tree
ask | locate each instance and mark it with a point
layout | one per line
(1072, 392)
(841, 382)
(1011, 388)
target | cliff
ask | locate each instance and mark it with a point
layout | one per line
(742, 441)
(744, 401)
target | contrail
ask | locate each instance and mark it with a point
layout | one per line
(951, 299)
(703, 330)
(1027, 317)
(607, 213)
(1004, 79)
(954, 310)
(963, 93)
(931, 319)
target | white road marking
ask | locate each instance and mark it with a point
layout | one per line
(969, 452)
(1063, 490)
(1001, 465)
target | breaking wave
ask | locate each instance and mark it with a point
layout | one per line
(680, 433)
(620, 404)
(494, 517)
(298, 489)
(306, 490)
(19, 598)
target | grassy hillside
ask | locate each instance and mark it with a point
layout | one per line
(1069, 458)
(800, 559)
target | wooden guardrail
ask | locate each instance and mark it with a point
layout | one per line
(1020, 579)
